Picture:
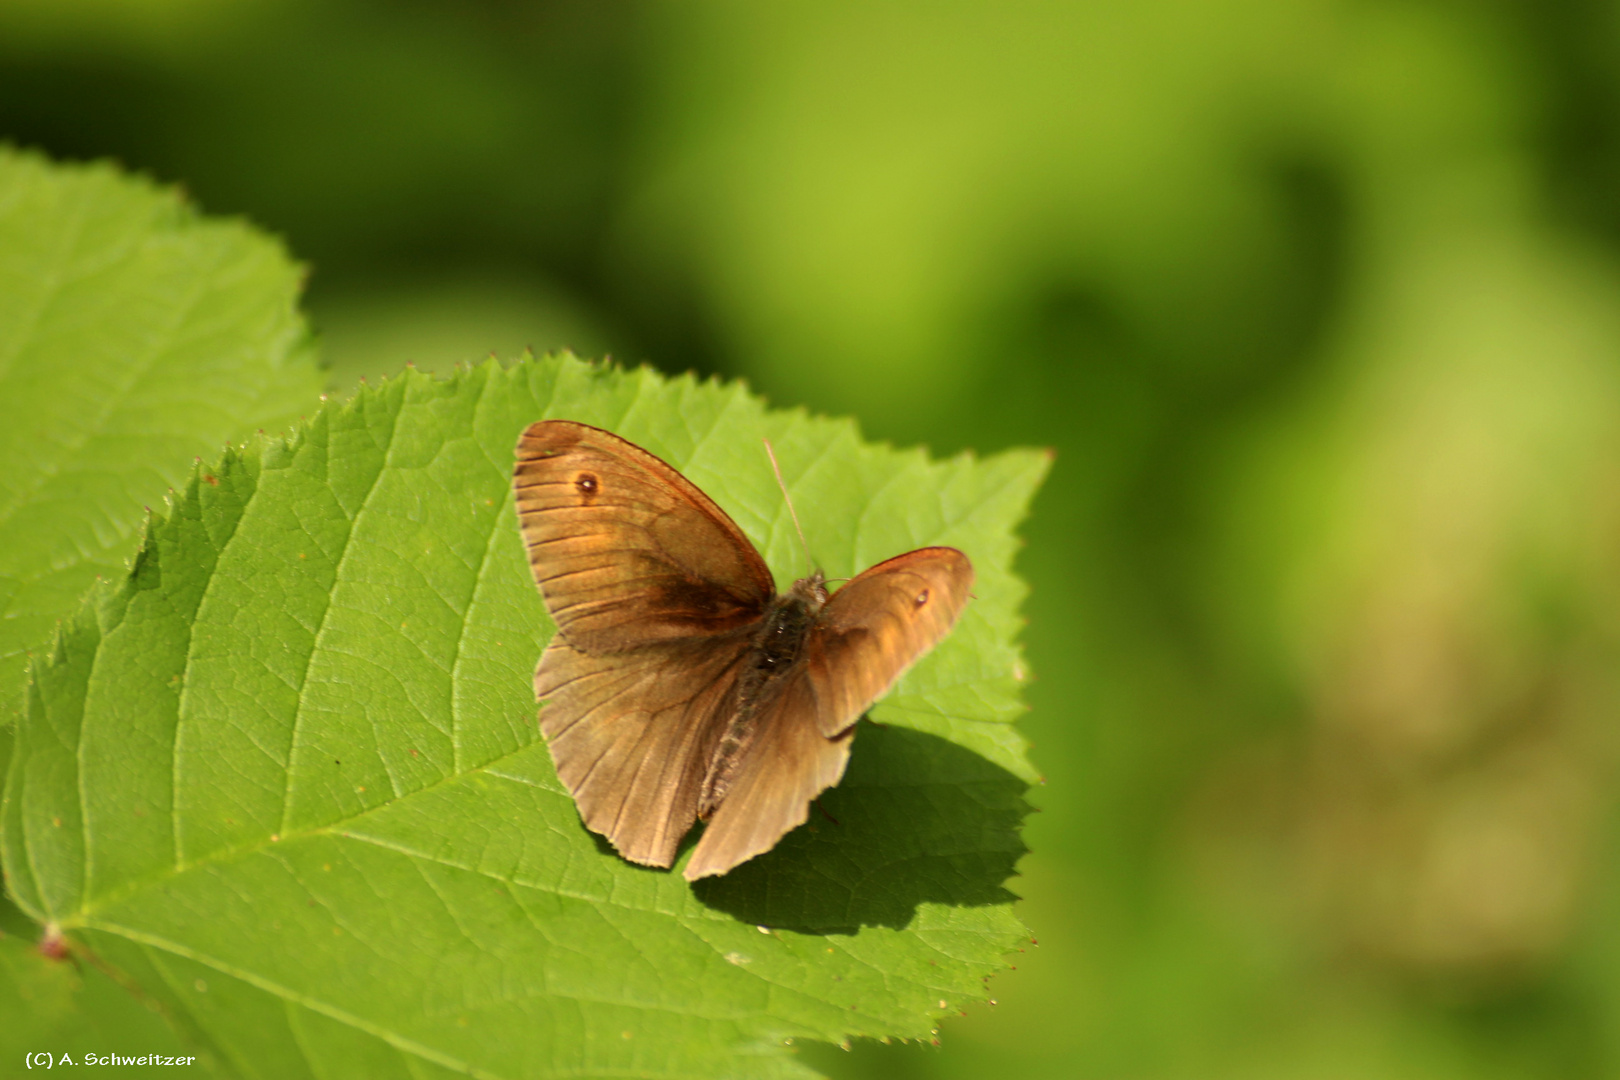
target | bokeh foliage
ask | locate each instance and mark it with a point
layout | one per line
(1315, 300)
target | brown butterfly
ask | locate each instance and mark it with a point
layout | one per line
(679, 685)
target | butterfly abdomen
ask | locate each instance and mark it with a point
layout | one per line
(777, 646)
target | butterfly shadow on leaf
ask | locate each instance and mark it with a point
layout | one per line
(917, 819)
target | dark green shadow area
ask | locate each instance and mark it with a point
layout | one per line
(15, 924)
(917, 819)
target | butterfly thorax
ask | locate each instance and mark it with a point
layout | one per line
(777, 646)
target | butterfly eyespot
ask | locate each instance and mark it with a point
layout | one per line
(586, 483)
(922, 598)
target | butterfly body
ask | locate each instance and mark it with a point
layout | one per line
(679, 685)
(776, 648)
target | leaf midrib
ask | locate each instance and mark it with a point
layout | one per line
(153, 941)
(227, 854)
(680, 920)
(399, 1042)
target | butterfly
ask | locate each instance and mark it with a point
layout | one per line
(679, 686)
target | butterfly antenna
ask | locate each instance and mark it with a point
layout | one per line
(770, 452)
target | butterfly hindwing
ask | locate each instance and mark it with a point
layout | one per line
(788, 763)
(632, 734)
(866, 636)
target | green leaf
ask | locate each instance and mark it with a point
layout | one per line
(135, 336)
(287, 776)
(69, 1007)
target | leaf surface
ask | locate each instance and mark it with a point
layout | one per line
(287, 776)
(62, 1007)
(135, 336)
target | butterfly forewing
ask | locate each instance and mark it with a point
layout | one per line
(625, 550)
(878, 625)
(867, 635)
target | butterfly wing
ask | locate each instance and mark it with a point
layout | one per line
(656, 594)
(866, 636)
(632, 734)
(877, 626)
(625, 550)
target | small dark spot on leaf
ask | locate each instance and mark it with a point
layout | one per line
(211, 479)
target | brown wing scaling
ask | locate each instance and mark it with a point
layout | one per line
(878, 625)
(870, 632)
(788, 763)
(625, 550)
(632, 733)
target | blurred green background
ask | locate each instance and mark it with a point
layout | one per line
(1318, 302)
